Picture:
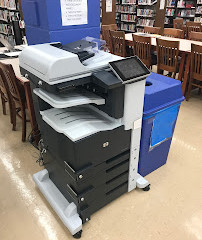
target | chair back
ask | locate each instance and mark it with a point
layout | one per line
(178, 23)
(118, 43)
(152, 30)
(2, 85)
(196, 62)
(8, 75)
(173, 32)
(142, 49)
(167, 55)
(192, 27)
(195, 36)
(106, 33)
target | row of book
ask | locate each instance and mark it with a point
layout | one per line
(186, 13)
(145, 11)
(128, 27)
(6, 29)
(10, 4)
(198, 19)
(145, 2)
(7, 16)
(170, 12)
(171, 3)
(145, 22)
(185, 4)
(128, 1)
(128, 17)
(199, 9)
(126, 8)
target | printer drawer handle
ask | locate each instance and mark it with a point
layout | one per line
(72, 192)
(79, 174)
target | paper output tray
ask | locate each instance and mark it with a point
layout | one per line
(70, 99)
(79, 122)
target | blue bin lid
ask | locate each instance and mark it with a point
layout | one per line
(161, 92)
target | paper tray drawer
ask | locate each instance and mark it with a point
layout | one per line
(88, 151)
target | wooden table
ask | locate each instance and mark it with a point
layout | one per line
(26, 84)
(184, 48)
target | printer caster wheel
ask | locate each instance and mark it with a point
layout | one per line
(147, 188)
(77, 235)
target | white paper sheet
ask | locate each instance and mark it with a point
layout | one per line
(74, 12)
(108, 5)
(162, 4)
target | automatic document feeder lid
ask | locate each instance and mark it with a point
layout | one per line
(79, 122)
(54, 65)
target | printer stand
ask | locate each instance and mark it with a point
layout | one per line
(66, 211)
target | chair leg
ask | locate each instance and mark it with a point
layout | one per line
(189, 89)
(23, 124)
(13, 117)
(199, 91)
(3, 104)
(159, 71)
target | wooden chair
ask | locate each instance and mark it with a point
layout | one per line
(142, 49)
(5, 97)
(17, 94)
(118, 43)
(152, 30)
(178, 23)
(195, 36)
(167, 56)
(196, 69)
(173, 32)
(106, 34)
(192, 27)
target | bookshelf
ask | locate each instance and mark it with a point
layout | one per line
(186, 10)
(170, 13)
(11, 23)
(133, 15)
(198, 12)
(126, 15)
(146, 13)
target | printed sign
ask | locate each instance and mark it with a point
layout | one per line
(74, 12)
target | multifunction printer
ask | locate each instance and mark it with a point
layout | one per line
(89, 106)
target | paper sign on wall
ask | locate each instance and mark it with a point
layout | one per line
(162, 4)
(108, 5)
(74, 12)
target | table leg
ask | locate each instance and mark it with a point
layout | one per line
(33, 122)
(186, 75)
(181, 68)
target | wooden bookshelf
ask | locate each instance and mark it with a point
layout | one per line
(126, 15)
(11, 21)
(133, 15)
(198, 13)
(146, 13)
(170, 13)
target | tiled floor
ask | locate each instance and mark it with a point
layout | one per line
(172, 209)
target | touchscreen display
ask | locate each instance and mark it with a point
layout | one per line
(129, 68)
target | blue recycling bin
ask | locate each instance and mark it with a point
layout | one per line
(163, 97)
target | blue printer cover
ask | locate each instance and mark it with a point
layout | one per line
(161, 92)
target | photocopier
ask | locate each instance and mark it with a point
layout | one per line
(89, 106)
